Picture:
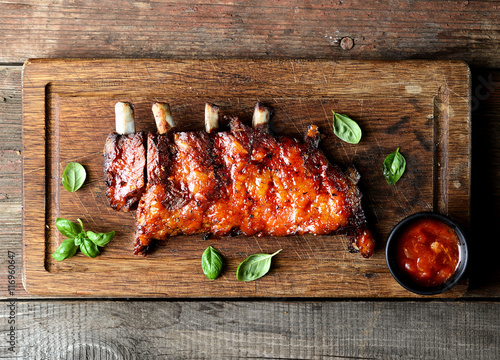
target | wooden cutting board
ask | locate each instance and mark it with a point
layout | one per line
(422, 107)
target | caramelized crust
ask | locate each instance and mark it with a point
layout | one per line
(248, 182)
(124, 164)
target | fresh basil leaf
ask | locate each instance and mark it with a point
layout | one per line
(66, 250)
(346, 128)
(394, 166)
(73, 176)
(88, 248)
(211, 263)
(100, 239)
(79, 238)
(254, 267)
(68, 228)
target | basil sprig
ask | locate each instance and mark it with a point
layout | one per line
(211, 263)
(394, 166)
(346, 128)
(254, 267)
(73, 176)
(88, 242)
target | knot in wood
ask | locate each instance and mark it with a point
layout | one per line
(346, 43)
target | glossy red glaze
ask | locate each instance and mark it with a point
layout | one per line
(428, 252)
(246, 181)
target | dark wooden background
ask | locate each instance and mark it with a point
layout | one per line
(264, 329)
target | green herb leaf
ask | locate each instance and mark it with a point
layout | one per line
(211, 263)
(73, 176)
(66, 250)
(100, 239)
(77, 237)
(346, 128)
(254, 267)
(68, 228)
(88, 248)
(394, 166)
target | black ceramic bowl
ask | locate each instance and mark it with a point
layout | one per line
(403, 279)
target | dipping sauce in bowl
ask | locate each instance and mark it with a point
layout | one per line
(427, 253)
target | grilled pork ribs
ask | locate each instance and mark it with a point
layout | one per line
(242, 181)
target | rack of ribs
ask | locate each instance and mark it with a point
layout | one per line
(242, 181)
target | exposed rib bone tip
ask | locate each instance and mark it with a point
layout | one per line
(261, 116)
(163, 117)
(211, 117)
(124, 118)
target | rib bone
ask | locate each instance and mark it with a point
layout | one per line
(163, 117)
(211, 117)
(124, 118)
(261, 117)
(124, 161)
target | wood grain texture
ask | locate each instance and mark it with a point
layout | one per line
(10, 173)
(460, 30)
(254, 330)
(397, 104)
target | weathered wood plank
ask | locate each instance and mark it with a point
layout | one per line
(10, 174)
(459, 30)
(253, 330)
(10, 108)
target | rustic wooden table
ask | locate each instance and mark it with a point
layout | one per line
(36, 328)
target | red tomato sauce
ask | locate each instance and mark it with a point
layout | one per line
(428, 252)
